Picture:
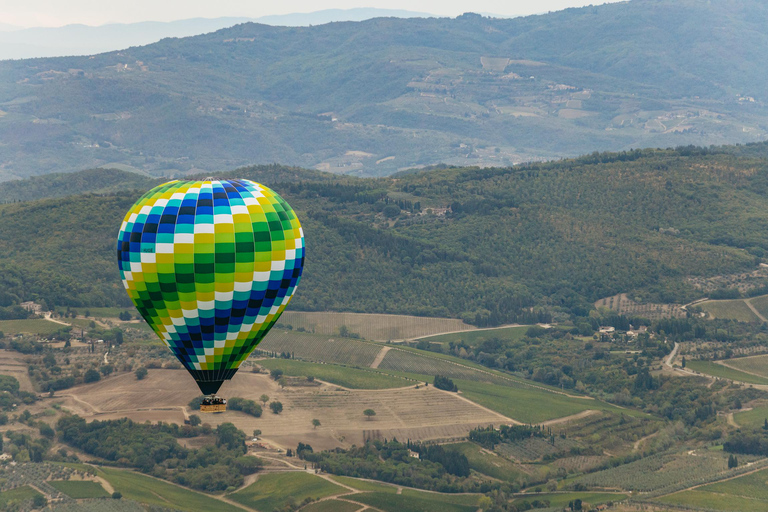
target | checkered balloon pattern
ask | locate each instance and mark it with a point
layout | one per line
(211, 265)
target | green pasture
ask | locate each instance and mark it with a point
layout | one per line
(364, 485)
(712, 501)
(275, 490)
(761, 304)
(754, 418)
(29, 326)
(145, 489)
(331, 506)
(753, 364)
(418, 501)
(335, 374)
(735, 309)
(17, 495)
(525, 404)
(484, 373)
(724, 372)
(748, 493)
(80, 489)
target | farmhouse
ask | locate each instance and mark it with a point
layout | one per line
(32, 307)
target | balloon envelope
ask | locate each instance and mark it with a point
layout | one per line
(211, 265)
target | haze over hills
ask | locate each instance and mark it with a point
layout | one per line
(373, 97)
(21, 43)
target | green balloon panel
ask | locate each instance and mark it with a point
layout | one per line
(211, 265)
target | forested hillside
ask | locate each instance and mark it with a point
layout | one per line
(382, 95)
(481, 244)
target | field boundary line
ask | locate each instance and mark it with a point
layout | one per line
(748, 302)
(212, 496)
(723, 363)
(761, 467)
(516, 381)
(486, 409)
(508, 326)
(380, 357)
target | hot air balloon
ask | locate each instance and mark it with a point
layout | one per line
(211, 265)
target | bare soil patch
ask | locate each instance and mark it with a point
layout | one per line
(418, 414)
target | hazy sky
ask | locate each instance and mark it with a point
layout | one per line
(51, 13)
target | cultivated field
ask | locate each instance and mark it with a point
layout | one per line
(623, 305)
(662, 471)
(735, 309)
(747, 493)
(418, 414)
(152, 491)
(724, 372)
(331, 506)
(29, 326)
(372, 326)
(757, 365)
(12, 363)
(527, 405)
(487, 462)
(275, 490)
(754, 418)
(315, 347)
(20, 494)
(412, 362)
(79, 489)
(473, 338)
(560, 501)
(352, 378)
(415, 501)
(761, 304)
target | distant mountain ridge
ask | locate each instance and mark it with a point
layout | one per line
(76, 39)
(386, 94)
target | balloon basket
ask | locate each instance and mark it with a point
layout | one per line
(213, 404)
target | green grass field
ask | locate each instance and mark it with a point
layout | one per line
(416, 501)
(527, 405)
(17, 495)
(712, 501)
(752, 364)
(487, 463)
(144, 489)
(422, 362)
(275, 490)
(724, 372)
(30, 326)
(341, 375)
(79, 489)
(752, 419)
(761, 304)
(105, 312)
(561, 500)
(331, 506)
(365, 485)
(747, 493)
(473, 338)
(735, 309)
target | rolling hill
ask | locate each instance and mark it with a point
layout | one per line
(486, 245)
(374, 97)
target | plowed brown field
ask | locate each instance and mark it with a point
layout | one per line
(418, 414)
